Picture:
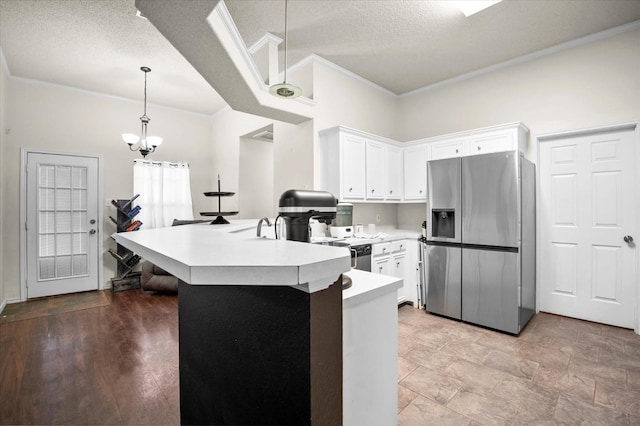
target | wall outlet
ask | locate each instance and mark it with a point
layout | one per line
(377, 217)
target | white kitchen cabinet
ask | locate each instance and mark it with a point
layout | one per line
(357, 166)
(412, 272)
(415, 172)
(394, 174)
(447, 149)
(398, 259)
(354, 165)
(375, 166)
(381, 265)
(397, 268)
(492, 142)
(506, 137)
(342, 157)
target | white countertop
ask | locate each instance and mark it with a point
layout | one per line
(203, 254)
(386, 235)
(367, 286)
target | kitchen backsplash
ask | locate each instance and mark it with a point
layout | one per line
(402, 216)
(411, 216)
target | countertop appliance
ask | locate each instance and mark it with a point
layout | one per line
(481, 239)
(298, 206)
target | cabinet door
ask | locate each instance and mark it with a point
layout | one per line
(375, 167)
(415, 173)
(381, 265)
(492, 142)
(412, 271)
(393, 170)
(353, 167)
(448, 149)
(397, 269)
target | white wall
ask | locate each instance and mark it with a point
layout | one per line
(227, 127)
(255, 188)
(55, 118)
(3, 120)
(585, 86)
(340, 100)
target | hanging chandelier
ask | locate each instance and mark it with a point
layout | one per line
(284, 89)
(143, 143)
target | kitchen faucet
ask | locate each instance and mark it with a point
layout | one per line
(265, 219)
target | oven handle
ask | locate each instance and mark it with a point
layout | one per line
(354, 264)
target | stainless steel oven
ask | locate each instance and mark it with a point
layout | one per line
(361, 257)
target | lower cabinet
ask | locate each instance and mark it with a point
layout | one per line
(398, 259)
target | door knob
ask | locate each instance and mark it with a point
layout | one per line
(628, 239)
(92, 221)
(92, 231)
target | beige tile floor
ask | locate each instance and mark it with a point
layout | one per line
(557, 371)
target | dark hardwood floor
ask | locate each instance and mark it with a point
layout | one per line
(115, 364)
(68, 363)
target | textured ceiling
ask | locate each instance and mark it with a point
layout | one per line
(405, 45)
(99, 45)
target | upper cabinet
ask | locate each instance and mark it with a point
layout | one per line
(375, 166)
(415, 172)
(342, 164)
(506, 137)
(358, 166)
(394, 171)
(447, 149)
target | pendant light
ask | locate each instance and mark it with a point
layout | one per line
(143, 143)
(284, 89)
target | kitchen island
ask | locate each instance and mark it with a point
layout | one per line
(261, 327)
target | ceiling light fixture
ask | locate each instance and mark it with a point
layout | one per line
(145, 144)
(284, 89)
(470, 7)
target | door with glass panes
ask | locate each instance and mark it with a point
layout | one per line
(62, 229)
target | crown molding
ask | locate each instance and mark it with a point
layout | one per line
(320, 60)
(529, 57)
(227, 20)
(265, 39)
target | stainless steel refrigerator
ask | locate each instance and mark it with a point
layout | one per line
(481, 239)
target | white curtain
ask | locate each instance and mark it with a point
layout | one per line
(165, 192)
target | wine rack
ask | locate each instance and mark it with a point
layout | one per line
(127, 260)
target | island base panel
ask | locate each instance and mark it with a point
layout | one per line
(260, 355)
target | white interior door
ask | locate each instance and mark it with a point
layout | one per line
(62, 224)
(587, 206)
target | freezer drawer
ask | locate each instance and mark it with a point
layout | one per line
(490, 293)
(444, 280)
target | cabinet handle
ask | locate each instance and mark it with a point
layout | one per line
(384, 249)
(391, 192)
(401, 247)
(373, 190)
(478, 147)
(397, 264)
(421, 191)
(350, 189)
(379, 269)
(456, 150)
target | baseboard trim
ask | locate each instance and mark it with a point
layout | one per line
(3, 305)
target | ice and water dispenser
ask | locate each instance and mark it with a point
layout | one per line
(443, 223)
